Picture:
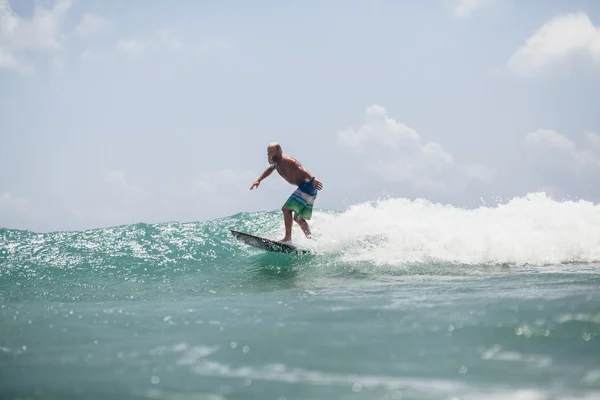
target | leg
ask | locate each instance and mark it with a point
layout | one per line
(300, 203)
(304, 225)
(287, 219)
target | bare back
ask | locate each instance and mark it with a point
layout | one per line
(292, 170)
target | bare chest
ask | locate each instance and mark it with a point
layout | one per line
(288, 171)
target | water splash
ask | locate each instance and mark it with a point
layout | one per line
(530, 230)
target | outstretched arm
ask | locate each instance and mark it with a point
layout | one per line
(266, 173)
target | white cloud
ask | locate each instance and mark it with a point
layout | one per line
(552, 151)
(17, 212)
(164, 40)
(220, 188)
(478, 172)
(561, 166)
(561, 39)
(118, 198)
(210, 183)
(89, 55)
(9, 61)
(216, 44)
(378, 128)
(90, 25)
(132, 47)
(58, 63)
(117, 181)
(42, 33)
(465, 8)
(114, 199)
(397, 153)
(550, 139)
(594, 139)
(10, 203)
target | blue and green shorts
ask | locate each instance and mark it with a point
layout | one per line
(302, 200)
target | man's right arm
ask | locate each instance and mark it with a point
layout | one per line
(266, 173)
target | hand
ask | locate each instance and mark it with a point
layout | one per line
(317, 183)
(255, 184)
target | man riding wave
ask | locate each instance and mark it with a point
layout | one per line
(301, 201)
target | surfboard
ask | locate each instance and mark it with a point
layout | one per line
(266, 244)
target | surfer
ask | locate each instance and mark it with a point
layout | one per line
(302, 199)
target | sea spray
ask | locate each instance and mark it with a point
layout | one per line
(531, 230)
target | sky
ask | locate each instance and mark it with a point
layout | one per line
(117, 112)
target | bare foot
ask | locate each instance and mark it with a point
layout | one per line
(285, 240)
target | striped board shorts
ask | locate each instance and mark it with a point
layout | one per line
(302, 200)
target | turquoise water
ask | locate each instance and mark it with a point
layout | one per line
(399, 300)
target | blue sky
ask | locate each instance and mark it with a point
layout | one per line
(119, 112)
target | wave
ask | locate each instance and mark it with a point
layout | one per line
(385, 235)
(530, 230)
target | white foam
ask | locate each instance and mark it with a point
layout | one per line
(283, 373)
(538, 360)
(592, 377)
(583, 317)
(530, 230)
(402, 387)
(165, 395)
(195, 353)
(519, 394)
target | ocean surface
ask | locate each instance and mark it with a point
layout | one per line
(398, 300)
